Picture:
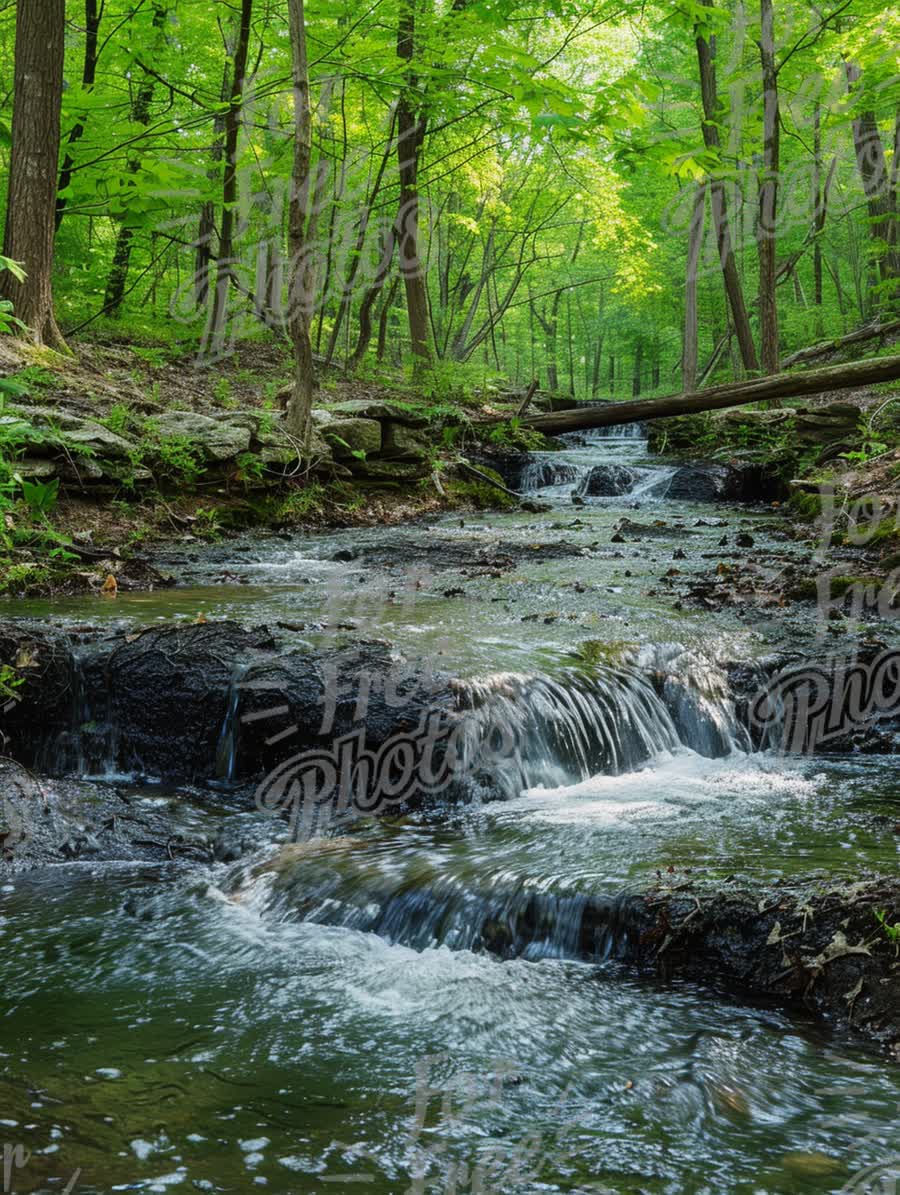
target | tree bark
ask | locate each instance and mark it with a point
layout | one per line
(877, 184)
(140, 114)
(768, 193)
(356, 256)
(411, 135)
(689, 353)
(88, 77)
(638, 365)
(819, 210)
(34, 161)
(706, 57)
(736, 394)
(203, 258)
(215, 333)
(299, 411)
(371, 297)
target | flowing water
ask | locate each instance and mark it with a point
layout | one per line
(417, 1005)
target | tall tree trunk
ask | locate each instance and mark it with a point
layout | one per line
(411, 134)
(712, 115)
(88, 77)
(203, 258)
(383, 318)
(299, 412)
(877, 184)
(34, 160)
(371, 297)
(689, 351)
(598, 347)
(215, 331)
(638, 366)
(140, 114)
(356, 255)
(768, 193)
(819, 202)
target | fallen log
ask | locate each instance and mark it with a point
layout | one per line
(826, 348)
(735, 394)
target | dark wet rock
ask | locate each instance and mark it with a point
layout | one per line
(703, 481)
(45, 822)
(813, 945)
(541, 473)
(699, 483)
(658, 527)
(509, 466)
(608, 481)
(201, 702)
(473, 556)
(679, 554)
(744, 540)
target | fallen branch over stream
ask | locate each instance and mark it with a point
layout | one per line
(735, 394)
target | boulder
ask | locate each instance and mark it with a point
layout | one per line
(700, 483)
(36, 469)
(541, 473)
(401, 442)
(217, 439)
(98, 440)
(608, 481)
(363, 408)
(387, 471)
(347, 436)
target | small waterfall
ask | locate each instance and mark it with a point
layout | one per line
(89, 746)
(413, 903)
(541, 473)
(608, 720)
(227, 745)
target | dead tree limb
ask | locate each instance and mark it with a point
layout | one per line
(736, 394)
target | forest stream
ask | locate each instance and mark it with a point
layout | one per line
(405, 1004)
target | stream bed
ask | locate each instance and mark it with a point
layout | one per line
(323, 1016)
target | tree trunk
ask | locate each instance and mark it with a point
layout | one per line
(140, 114)
(299, 411)
(203, 258)
(736, 394)
(383, 318)
(689, 352)
(876, 180)
(638, 364)
(411, 134)
(356, 256)
(215, 331)
(88, 76)
(706, 57)
(818, 210)
(370, 298)
(34, 161)
(768, 193)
